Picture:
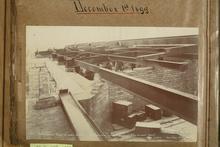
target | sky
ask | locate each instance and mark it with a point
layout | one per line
(44, 37)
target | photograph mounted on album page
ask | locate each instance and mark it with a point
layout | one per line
(100, 71)
(111, 83)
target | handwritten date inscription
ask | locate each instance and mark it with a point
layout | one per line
(82, 8)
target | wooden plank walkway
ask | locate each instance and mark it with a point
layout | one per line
(84, 129)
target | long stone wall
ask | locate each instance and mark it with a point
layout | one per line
(190, 39)
(185, 81)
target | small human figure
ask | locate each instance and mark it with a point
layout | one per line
(133, 66)
(121, 66)
(108, 66)
(160, 58)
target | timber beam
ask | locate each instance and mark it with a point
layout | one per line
(141, 59)
(96, 59)
(182, 50)
(150, 56)
(170, 64)
(161, 45)
(134, 53)
(87, 66)
(186, 55)
(181, 104)
(122, 58)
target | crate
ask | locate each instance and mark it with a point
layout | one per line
(153, 112)
(54, 56)
(120, 110)
(60, 59)
(166, 113)
(140, 116)
(63, 91)
(131, 120)
(69, 62)
(146, 128)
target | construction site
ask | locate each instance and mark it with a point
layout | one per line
(123, 90)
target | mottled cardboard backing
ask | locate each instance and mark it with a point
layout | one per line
(163, 13)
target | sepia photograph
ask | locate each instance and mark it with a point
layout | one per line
(88, 83)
